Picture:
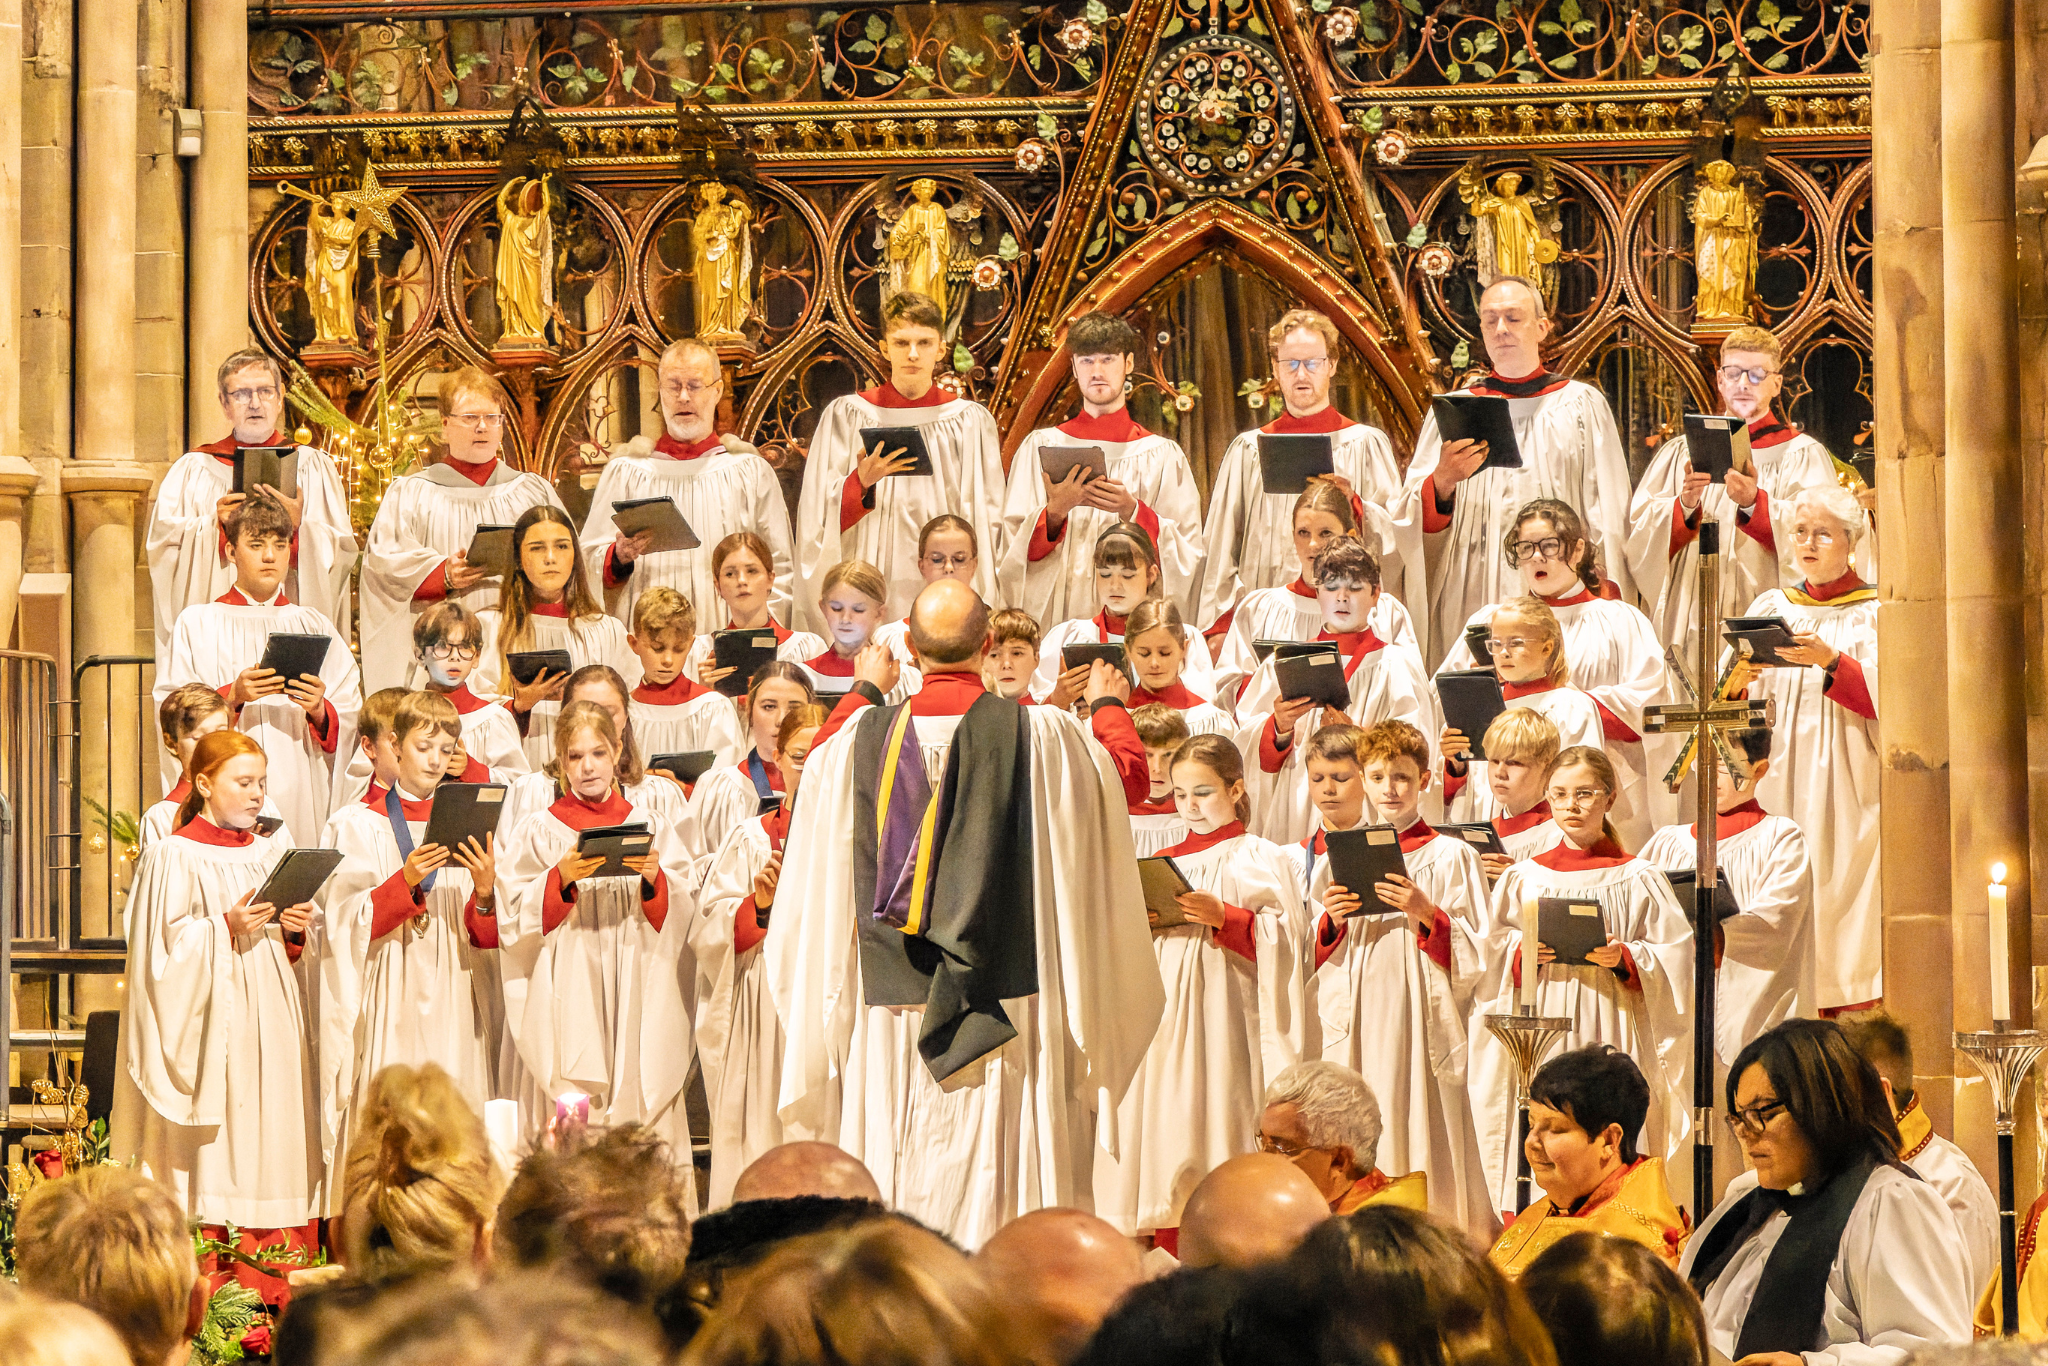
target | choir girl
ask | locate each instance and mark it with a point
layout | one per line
(1156, 822)
(652, 788)
(672, 713)
(1126, 574)
(734, 794)
(1157, 644)
(947, 548)
(1526, 646)
(744, 578)
(851, 605)
(188, 714)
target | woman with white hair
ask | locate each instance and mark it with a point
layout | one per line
(1324, 1118)
(1825, 777)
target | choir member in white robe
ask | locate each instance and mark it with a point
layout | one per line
(1525, 644)
(718, 491)
(1127, 573)
(1570, 451)
(303, 724)
(1249, 531)
(592, 965)
(1156, 822)
(739, 1038)
(1615, 657)
(1397, 964)
(546, 604)
(1826, 776)
(861, 504)
(188, 714)
(186, 539)
(851, 605)
(1865, 1265)
(1235, 972)
(1385, 682)
(1037, 910)
(1523, 742)
(1049, 528)
(1672, 499)
(671, 712)
(740, 567)
(1156, 645)
(418, 551)
(215, 1094)
(733, 794)
(408, 968)
(448, 640)
(1322, 515)
(1635, 992)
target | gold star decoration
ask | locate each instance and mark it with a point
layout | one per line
(373, 202)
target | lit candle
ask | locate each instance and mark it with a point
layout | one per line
(1529, 953)
(2001, 964)
(572, 1113)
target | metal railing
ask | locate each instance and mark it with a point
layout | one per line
(108, 760)
(30, 789)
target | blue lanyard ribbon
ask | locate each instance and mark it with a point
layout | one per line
(394, 808)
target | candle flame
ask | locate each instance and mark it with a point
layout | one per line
(1997, 873)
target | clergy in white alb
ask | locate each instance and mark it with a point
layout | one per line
(1050, 529)
(186, 543)
(861, 502)
(418, 552)
(975, 997)
(1569, 448)
(717, 490)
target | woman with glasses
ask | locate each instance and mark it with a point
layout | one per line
(947, 548)
(1526, 645)
(1825, 775)
(1632, 990)
(1829, 1251)
(419, 545)
(1672, 499)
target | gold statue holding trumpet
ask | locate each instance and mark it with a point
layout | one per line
(333, 239)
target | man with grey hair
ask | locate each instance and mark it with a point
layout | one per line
(718, 485)
(186, 542)
(1322, 1117)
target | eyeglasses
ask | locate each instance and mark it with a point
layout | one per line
(1732, 373)
(693, 388)
(1549, 548)
(1497, 646)
(249, 397)
(1814, 535)
(478, 422)
(1573, 801)
(1752, 1121)
(1286, 1150)
(448, 652)
(1311, 365)
(943, 562)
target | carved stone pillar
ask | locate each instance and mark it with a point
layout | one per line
(217, 321)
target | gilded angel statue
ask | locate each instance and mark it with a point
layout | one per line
(1727, 221)
(526, 259)
(722, 263)
(927, 245)
(1513, 232)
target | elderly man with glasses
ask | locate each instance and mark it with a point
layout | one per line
(187, 538)
(1324, 1118)
(1673, 499)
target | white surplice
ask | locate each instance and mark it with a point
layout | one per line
(1017, 1130)
(723, 800)
(1571, 710)
(591, 640)
(1196, 673)
(215, 1095)
(1152, 468)
(1156, 826)
(423, 519)
(1229, 1025)
(1571, 451)
(1947, 1168)
(188, 563)
(1291, 612)
(704, 720)
(718, 492)
(967, 480)
(1522, 837)
(162, 818)
(1899, 1282)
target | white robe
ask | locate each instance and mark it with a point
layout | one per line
(592, 640)
(719, 492)
(1196, 674)
(1669, 584)
(1227, 1027)
(1250, 533)
(1154, 831)
(1947, 1168)
(1899, 1282)
(490, 736)
(1154, 470)
(967, 461)
(1653, 1026)
(423, 520)
(1283, 614)
(1824, 775)
(1570, 451)
(1767, 964)
(1572, 711)
(215, 1094)
(708, 721)
(1018, 1130)
(723, 800)
(1538, 838)
(183, 545)
(161, 819)
(214, 642)
(1394, 1015)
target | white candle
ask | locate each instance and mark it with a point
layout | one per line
(1528, 995)
(2001, 963)
(501, 1127)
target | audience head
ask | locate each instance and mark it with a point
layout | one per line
(947, 548)
(420, 1189)
(117, 1243)
(1611, 1300)
(472, 406)
(1253, 1208)
(251, 395)
(1586, 1108)
(1181, 1319)
(1886, 1045)
(777, 686)
(189, 712)
(1208, 783)
(1745, 352)
(1804, 1105)
(806, 1168)
(1059, 1272)
(949, 628)
(35, 1331)
(727, 1243)
(692, 381)
(229, 775)
(1324, 1118)
(533, 1320)
(1548, 544)
(1323, 516)
(1520, 745)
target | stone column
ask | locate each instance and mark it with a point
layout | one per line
(17, 476)
(1987, 732)
(217, 307)
(49, 106)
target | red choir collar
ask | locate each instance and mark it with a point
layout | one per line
(1769, 431)
(1195, 844)
(1116, 426)
(673, 693)
(831, 664)
(572, 811)
(180, 792)
(1325, 421)
(888, 397)
(781, 631)
(414, 810)
(949, 693)
(549, 609)
(1565, 859)
(776, 826)
(474, 770)
(1532, 385)
(465, 701)
(1735, 820)
(477, 472)
(687, 450)
(768, 766)
(1108, 623)
(1354, 646)
(1163, 807)
(1528, 820)
(1174, 694)
(1825, 592)
(1316, 844)
(1300, 588)
(1571, 599)
(227, 446)
(206, 832)
(234, 597)
(1416, 835)
(1511, 691)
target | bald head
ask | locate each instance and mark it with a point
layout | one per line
(1061, 1272)
(806, 1169)
(949, 627)
(1255, 1208)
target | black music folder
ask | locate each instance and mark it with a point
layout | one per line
(1319, 676)
(528, 665)
(260, 465)
(490, 549)
(617, 843)
(464, 811)
(1716, 445)
(743, 651)
(658, 516)
(291, 655)
(1163, 881)
(1571, 926)
(1288, 460)
(1763, 637)
(1479, 417)
(1361, 859)
(910, 440)
(1471, 698)
(1060, 461)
